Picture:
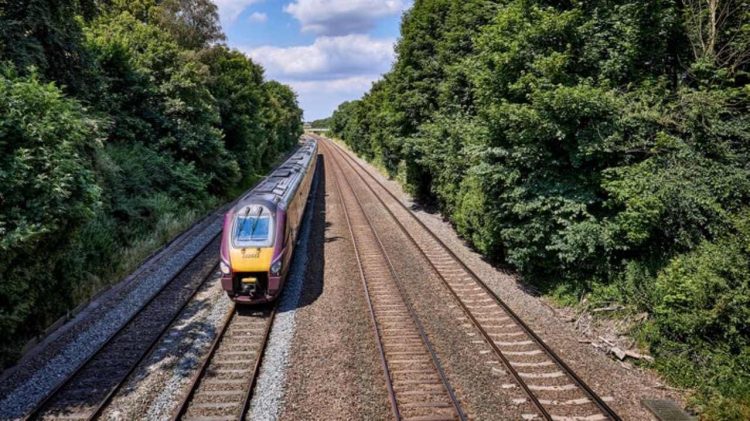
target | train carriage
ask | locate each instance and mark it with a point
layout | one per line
(260, 231)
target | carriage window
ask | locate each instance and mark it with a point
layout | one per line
(253, 227)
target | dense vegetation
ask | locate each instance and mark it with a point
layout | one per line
(602, 148)
(120, 123)
(321, 123)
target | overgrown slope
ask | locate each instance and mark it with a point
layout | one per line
(602, 148)
(120, 123)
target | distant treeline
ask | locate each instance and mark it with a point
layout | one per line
(121, 122)
(322, 123)
(602, 148)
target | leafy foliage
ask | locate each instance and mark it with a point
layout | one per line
(599, 147)
(45, 35)
(180, 111)
(48, 190)
(120, 123)
(702, 317)
(193, 23)
(321, 123)
(237, 85)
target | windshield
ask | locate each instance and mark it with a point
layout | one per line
(253, 227)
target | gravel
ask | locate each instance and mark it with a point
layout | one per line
(35, 377)
(151, 391)
(626, 384)
(268, 396)
(334, 370)
(191, 351)
(484, 389)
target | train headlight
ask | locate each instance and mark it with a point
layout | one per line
(224, 268)
(276, 268)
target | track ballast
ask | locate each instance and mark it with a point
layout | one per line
(550, 384)
(417, 386)
(223, 385)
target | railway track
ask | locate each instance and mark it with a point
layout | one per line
(87, 390)
(223, 385)
(416, 384)
(550, 384)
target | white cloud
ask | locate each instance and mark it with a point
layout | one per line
(320, 97)
(339, 17)
(352, 84)
(230, 10)
(328, 71)
(328, 58)
(258, 17)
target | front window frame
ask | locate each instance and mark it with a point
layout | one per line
(240, 215)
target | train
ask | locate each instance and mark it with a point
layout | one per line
(261, 230)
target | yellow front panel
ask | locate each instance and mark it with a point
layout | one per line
(251, 259)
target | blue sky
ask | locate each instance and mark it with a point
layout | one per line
(329, 51)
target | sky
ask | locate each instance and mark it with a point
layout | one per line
(328, 51)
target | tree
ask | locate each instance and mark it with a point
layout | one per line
(44, 34)
(194, 24)
(172, 103)
(719, 32)
(48, 192)
(282, 119)
(321, 123)
(598, 147)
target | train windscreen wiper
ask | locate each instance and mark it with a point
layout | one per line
(255, 223)
(244, 221)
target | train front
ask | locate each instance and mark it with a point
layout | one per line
(251, 251)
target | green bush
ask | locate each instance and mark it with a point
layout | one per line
(701, 322)
(172, 127)
(48, 193)
(595, 146)
(169, 106)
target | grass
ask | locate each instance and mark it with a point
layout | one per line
(126, 259)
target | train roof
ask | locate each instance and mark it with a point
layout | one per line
(279, 187)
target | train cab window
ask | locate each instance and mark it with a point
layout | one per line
(253, 227)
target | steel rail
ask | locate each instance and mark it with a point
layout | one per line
(598, 401)
(379, 342)
(256, 369)
(205, 362)
(152, 346)
(152, 258)
(40, 407)
(412, 313)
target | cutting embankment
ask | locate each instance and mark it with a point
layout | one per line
(601, 150)
(121, 125)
